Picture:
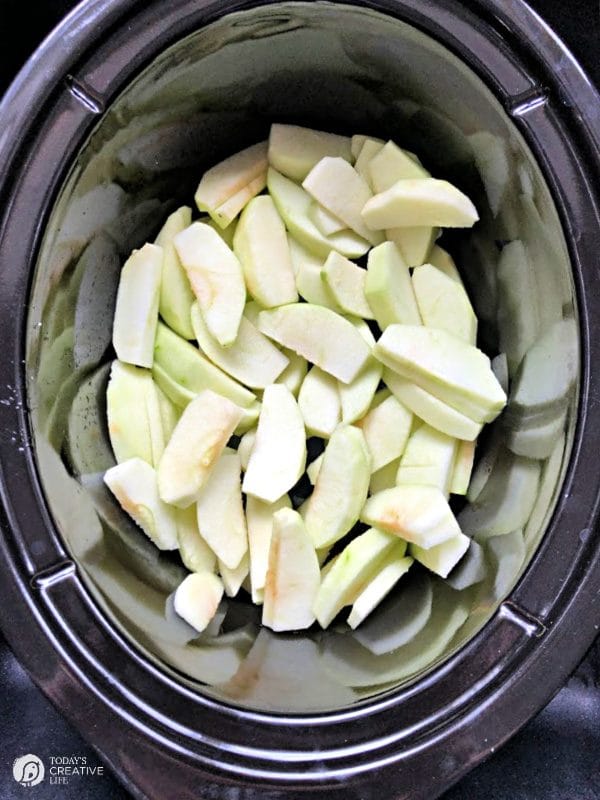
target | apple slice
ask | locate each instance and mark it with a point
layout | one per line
(294, 151)
(314, 468)
(194, 551)
(337, 186)
(227, 234)
(197, 442)
(384, 478)
(252, 359)
(293, 575)
(325, 221)
(414, 243)
(233, 579)
(319, 403)
(346, 282)
(295, 372)
(418, 514)
(388, 287)
(358, 562)
(216, 278)
(136, 311)
(386, 429)
(129, 433)
(368, 151)
(379, 587)
(197, 598)
(434, 412)
(358, 141)
(428, 459)
(453, 371)
(278, 457)
(134, 485)
(226, 213)
(261, 245)
(320, 335)
(311, 286)
(443, 261)
(341, 487)
(443, 303)
(392, 164)
(259, 519)
(228, 177)
(420, 201)
(293, 203)
(221, 520)
(356, 397)
(463, 467)
(442, 558)
(176, 296)
(245, 447)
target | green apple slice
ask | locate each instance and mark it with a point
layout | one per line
(357, 143)
(221, 520)
(196, 444)
(245, 447)
(428, 459)
(431, 410)
(384, 478)
(252, 359)
(295, 372)
(197, 598)
(378, 588)
(312, 287)
(293, 203)
(388, 287)
(261, 245)
(418, 514)
(346, 282)
(259, 519)
(343, 579)
(463, 467)
(319, 403)
(187, 367)
(293, 575)
(443, 261)
(337, 186)
(453, 371)
(233, 579)
(442, 558)
(368, 151)
(386, 429)
(341, 487)
(228, 177)
(195, 553)
(134, 484)
(216, 278)
(294, 151)
(278, 457)
(314, 468)
(392, 164)
(414, 243)
(136, 311)
(320, 335)
(325, 221)
(420, 201)
(176, 296)
(129, 432)
(443, 303)
(226, 213)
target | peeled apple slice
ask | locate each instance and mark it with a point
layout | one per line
(325, 221)
(194, 551)
(259, 519)
(197, 442)
(358, 141)
(252, 359)
(221, 182)
(392, 164)
(221, 519)
(428, 459)
(312, 287)
(388, 287)
(314, 468)
(319, 403)
(136, 311)
(442, 558)
(384, 478)
(341, 487)
(293, 575)
(356, 397)
(176, 296)
(261, 245)
(414, 243)
(434, 412)
(197, 598)
(455, 372)
(129, 433)
(294, 204)
(337, 186)
(367, 152)
(216, 278)
(421, 201)
(320, 335)
(443, 303)
(386, 429)
(225, 214)
(346, 282)
(351, 570)
(463, 467)
(295, 372)
(294, 151)
(278, 456)
(134, 485)
(379, 587)
(233, 579)
(418, 514)
(443, 261)
(245, 447)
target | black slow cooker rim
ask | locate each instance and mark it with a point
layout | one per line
(55, 627)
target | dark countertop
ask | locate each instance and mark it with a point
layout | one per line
(555, 757)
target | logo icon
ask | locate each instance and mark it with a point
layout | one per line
(28, 770)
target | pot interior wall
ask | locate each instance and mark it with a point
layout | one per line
(343, 69)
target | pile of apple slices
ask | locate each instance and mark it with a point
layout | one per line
(238, 339)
